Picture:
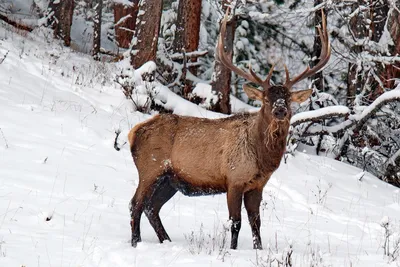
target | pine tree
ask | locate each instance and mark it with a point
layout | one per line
(60, 18)
(318, 77)
(97, 29)
(187, 33)
(145, 40)
(124, 19)
(221, 80)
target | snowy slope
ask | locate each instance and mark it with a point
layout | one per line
(64, 190)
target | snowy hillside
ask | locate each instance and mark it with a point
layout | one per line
(64, 190)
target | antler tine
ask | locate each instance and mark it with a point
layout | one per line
(266, 82)
(225, 59)
(324, 57)
(259, 81)
(287, 74)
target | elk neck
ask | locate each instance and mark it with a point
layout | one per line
(270, 140)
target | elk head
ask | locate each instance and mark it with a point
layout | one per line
(276, 99)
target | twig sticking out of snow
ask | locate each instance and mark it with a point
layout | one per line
(4, 57)
(390, 251)
(116, 146)
(4, 138)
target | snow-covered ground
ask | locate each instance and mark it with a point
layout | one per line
(64, 190)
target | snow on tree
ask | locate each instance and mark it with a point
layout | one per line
(98, 9)
(60, 18)
(187, 35)
(125, 13)
(221, 80)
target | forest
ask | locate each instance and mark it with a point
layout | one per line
(353, 112)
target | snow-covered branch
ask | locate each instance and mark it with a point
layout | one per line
(319, 114)
(194, 54)
(354, 122)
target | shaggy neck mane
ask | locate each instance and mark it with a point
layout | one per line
(270, 139)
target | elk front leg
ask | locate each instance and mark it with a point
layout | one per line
(235, 195)
(252, 200)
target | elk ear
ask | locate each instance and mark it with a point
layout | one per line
(301, 96)
(252, 93)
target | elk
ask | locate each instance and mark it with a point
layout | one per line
(235, 155)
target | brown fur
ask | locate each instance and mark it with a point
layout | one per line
(232, 148)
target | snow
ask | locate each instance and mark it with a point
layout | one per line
(64, 190)
(180, 106)
(124, 2)
(326, 111)
(385, 221)
(205, 91)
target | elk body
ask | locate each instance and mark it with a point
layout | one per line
(236, 155)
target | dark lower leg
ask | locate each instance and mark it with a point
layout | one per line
(252, 200)
(162, 192)
(234, 196)
(255, 223)
(155, 222)
(235, 228)
(136, 210)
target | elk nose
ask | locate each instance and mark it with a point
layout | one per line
(280, 113)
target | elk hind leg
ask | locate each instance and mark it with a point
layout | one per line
(161, 193)
(252, 200)
(136, 207)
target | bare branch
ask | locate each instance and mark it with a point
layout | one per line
(17, 25)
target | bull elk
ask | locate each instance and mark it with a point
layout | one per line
(198, 156)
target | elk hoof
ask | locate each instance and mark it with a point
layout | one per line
(257, 246)
(165, 241)
(234, 245)
(135, 240)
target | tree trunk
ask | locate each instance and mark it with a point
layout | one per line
(393, 71)
(125, 19)
(145, 40)
(221, 81)
(381, 17)
(379, 13)
(61, 19)
(318, 78)
(354, 80)
(97, 29)
(188, 34)
(378, 16)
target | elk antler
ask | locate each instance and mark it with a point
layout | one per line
(226, 60)
(324, 57)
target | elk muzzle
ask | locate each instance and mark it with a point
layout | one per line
(279, 109)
